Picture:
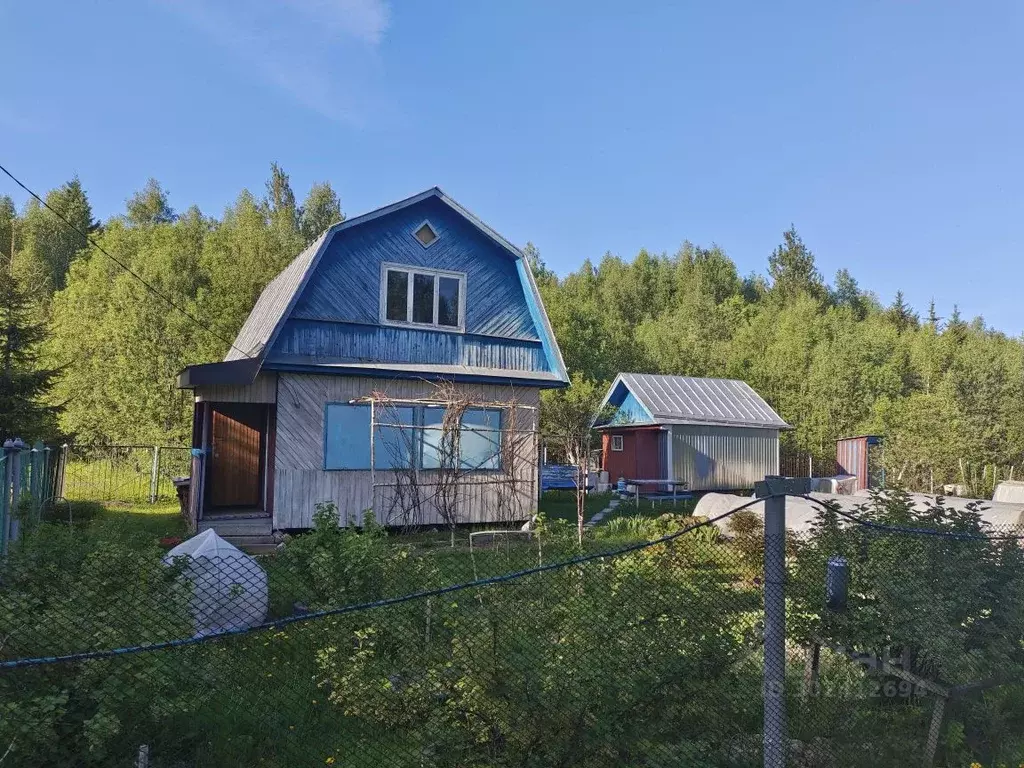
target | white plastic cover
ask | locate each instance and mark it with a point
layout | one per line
(1009, 490)
(801, 513)
(229, 587)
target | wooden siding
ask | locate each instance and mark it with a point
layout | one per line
(300, 480)
(263, 390)
(640, 457)
(323, 342)
(346, 284)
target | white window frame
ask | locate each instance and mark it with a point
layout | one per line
(617, 442)
(418, 227)
(411, 270)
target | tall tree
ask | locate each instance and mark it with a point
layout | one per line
(150, 205)
(792, 269)
(49, 245)
(321, 209)
(847, 293)
(900, 315)
(24, 385)
(8, 222)
(280, 199)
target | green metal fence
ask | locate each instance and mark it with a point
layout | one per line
(30, 479)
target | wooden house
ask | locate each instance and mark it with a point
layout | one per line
(709, 434)
(337, 385)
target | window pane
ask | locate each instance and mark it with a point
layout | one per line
(398, 287)
(395, 436)
(348, 437)
(437, 452)
(423, 299)
(448, 301)
(480, 441)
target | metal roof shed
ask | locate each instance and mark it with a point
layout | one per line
(714, 434)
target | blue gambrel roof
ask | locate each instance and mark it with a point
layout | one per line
(261, 335)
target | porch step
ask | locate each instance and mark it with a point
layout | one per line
(254, 545)
(228, 527)
(251, 534)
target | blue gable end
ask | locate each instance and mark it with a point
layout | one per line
(631, 411)
(346, 284)
(333, 320)
(624, 408)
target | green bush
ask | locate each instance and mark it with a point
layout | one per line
(68, 590)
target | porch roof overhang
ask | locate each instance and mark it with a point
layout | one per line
(230, 373)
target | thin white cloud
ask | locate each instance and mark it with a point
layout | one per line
(320, 52)
(366, 20)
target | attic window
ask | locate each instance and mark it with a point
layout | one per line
(417, 296)
(425, 234)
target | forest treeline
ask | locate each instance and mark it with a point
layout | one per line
(90, 353)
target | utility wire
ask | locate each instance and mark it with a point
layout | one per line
(122, 265)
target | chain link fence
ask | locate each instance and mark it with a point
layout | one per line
(893, 637)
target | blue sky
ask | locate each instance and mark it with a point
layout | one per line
(890, 134)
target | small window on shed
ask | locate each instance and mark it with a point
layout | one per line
(425, 234)
(616, 442)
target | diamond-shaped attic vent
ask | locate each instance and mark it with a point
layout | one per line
(425, 234)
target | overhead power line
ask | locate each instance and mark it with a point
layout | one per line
(88, 238)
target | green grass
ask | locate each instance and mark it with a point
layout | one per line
(561, 505)
(157, 520)
(647, 508)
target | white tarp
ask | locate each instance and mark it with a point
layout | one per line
(801, 513)
(229, 587)
(1009, 490)
(844, 484)
(999, 514)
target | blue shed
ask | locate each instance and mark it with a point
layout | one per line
(403, 308)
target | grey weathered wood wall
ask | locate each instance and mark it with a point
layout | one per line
(300, 480)
(263, 390)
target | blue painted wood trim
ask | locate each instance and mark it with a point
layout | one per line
(540, 321)
(375, 373)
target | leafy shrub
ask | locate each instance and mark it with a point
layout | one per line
(332, 566)
(557, 668)
(68, 590)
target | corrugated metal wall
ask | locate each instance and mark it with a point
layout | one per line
(723, 458)
(852, 459)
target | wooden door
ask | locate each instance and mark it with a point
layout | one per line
(234, 470)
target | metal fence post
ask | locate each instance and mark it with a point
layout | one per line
(154, 476)
(47, 473)
(6, 507)
(62, 471)
(774, 694)
(14, 524)
(36, 487)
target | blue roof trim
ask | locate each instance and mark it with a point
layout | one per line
(540, 320)
(380, 373)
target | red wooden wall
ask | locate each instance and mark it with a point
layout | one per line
(640, 457)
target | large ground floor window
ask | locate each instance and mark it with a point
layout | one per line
(407, 437)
